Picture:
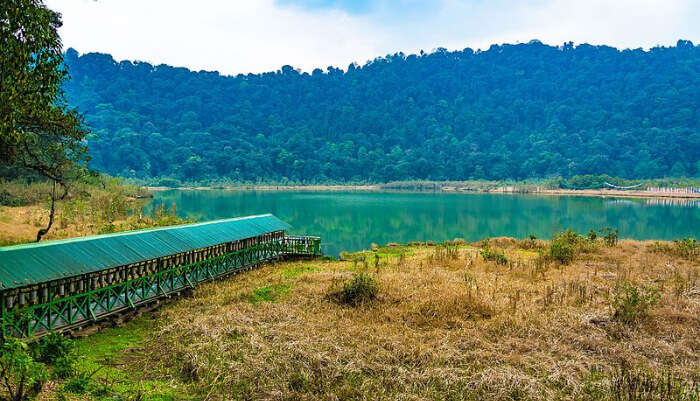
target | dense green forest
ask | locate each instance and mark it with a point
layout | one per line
(510, 112)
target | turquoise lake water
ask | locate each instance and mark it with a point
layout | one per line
(351, 221)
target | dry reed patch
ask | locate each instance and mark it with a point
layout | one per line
(445, 325)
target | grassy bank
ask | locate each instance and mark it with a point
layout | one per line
(91, 206)
(578, 318)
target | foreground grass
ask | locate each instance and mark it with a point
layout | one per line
(109, 359)
(446, 324)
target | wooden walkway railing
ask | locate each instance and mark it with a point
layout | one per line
(62, 314)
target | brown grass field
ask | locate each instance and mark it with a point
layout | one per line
(446, 324)
(104, 206)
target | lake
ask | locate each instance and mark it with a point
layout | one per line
(351, 221)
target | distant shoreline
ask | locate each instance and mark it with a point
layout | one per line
(376, 188)
(603, 193)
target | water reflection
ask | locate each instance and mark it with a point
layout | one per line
(352, 220)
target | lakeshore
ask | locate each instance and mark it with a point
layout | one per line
(447, 189)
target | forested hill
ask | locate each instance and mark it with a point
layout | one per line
(513, 111)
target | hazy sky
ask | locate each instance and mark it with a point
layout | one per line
(239, 36)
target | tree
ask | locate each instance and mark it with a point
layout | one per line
(21, 377)
(38, 132)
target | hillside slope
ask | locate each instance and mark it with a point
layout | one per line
(513, 111)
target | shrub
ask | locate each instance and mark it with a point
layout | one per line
(564, 246)
(64, 368)
(79, 383)
(21, 193)
(54, 347)
(562, 252)
(57, 350)
(22, 377)
(631, 304)
(592, 236)
(494, 255)
(361, 289)
(687, 248)
(6, 199)
(610, 236)
(107, 228)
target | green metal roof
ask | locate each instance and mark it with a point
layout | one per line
(26, 264)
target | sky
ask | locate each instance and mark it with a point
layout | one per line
(242, 36)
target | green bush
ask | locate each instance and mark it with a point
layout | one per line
(592, 236)
(494, 255)
(107, 228)
(7, 199)
(64, 368)
(562, 252)
(79, 383)
(55, 347)
(21, 193)
(22, 377)
(564, 246)
(631, 304)
(687, 248)
(361, 289)
(57, 350)
(610, 236)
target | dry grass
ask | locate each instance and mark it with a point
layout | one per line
(106, 205)
(446, 325)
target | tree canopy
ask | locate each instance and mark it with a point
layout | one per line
(509, 112)
(37, 130)
(39, 134)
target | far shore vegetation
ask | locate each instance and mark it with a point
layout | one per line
(577, 182)
(580, 317)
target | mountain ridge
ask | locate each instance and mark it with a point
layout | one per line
(509, 112)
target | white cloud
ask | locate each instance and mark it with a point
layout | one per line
(260, 35)
(232, 37)
(622, 23)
